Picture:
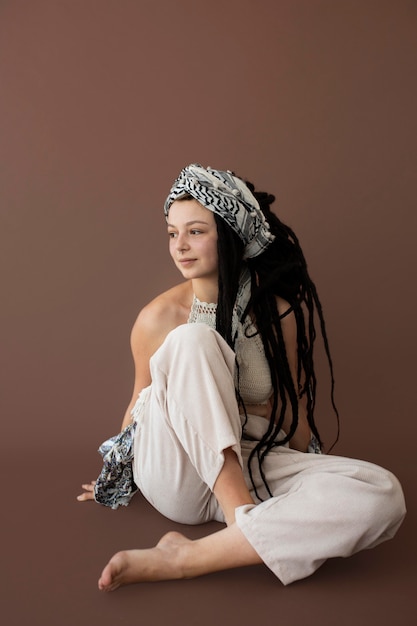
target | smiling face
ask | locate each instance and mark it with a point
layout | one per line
(193, 239)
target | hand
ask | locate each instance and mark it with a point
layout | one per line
(88, 493)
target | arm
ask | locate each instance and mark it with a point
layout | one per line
(148, 333)
(153, 324)
(301, 438)
(142, 350)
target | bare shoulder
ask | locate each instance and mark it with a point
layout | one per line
(160, 316)
(168, 310)
(285, 310)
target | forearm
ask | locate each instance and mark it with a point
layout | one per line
(127, 417)
(230, 488)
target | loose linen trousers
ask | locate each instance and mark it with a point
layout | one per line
(322, 506)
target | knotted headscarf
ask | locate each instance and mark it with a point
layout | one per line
(229, 197)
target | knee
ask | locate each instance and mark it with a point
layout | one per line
(363, 491)
(393, 500)
(194, 348)
(196, 340)
(191, 333)
(383, 503)
(193, 339)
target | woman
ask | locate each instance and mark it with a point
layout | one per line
(221, 422)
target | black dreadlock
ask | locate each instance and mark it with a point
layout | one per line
(281, 270)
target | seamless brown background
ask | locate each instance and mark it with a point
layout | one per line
(101, 103)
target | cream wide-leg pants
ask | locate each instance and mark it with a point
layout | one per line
(322, 506)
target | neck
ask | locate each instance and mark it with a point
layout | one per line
(205, 290)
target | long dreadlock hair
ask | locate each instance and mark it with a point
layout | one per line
(281, 270)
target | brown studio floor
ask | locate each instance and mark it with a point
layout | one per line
(54, 548)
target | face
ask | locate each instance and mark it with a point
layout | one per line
(193, 239)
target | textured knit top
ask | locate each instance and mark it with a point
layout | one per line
(253, 377)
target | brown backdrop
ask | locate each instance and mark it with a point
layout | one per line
(101, 103)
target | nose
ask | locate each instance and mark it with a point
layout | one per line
(181, 242)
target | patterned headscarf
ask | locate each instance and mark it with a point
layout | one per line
(229, 197)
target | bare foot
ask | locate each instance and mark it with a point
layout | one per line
(163, 562)
(175, 556)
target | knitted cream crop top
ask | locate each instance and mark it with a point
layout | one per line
(253, 373)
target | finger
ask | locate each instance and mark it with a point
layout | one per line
(89, 486)
(87, 495)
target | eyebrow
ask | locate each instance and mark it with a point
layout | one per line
(190, 223)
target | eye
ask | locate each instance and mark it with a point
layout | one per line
(171, 234)
(195, 231)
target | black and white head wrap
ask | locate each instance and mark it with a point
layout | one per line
(229, 197)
